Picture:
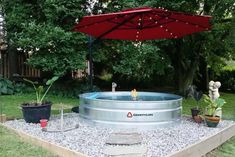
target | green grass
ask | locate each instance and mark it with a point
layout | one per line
(12, 146)
(11, 103)
(228, 108)
(225, 150)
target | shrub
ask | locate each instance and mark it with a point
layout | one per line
(227, 78)
(71, 88)
(6, 86)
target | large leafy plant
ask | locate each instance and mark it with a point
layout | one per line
(40, 90)
(213, 105)
(6, 86)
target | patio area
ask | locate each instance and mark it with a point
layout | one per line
(91, 141)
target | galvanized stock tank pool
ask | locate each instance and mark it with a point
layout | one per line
(118, 109)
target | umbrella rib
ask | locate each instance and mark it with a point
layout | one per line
(159, 20)
(136, 27)
(151, 26)
(131, 26)
(174, 19)
(115, 27)
(182, 20)
(188, 22)
(109, 19)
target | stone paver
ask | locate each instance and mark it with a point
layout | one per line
(125, 151)
(124, 139)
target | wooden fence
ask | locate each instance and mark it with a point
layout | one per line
(20, 68)
(17, 68)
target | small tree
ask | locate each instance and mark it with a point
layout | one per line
(43, 30)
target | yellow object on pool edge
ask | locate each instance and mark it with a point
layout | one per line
(134, 93)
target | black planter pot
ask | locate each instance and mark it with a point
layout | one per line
(33, 114)
(195, 112)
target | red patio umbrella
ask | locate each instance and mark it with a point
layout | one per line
(141, 24)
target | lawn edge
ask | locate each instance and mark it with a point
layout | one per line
(206, 144)
(51, 147)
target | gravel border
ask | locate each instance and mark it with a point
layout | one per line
(90, 140)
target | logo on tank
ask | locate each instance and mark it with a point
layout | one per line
(130, 115)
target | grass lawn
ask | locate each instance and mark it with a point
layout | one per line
(11, 103)
(11, 145)
(228, 108)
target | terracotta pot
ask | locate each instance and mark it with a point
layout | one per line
(197, 119)
(212, 121)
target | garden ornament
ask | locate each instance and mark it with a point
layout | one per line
(214, 89)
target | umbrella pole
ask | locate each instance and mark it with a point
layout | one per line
(90, 63)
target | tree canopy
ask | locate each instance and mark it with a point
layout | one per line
(43, 29)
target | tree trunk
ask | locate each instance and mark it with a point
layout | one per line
(185, 68)
(12, 57)
(185, 78)
(203, 78)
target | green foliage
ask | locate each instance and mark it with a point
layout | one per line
(6, 86)
(39, 89)
(213, 105)
(227, 78)
(71, 88)
(44, 30)
(140, 61)
(229, 68)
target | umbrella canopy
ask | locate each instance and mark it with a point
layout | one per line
(142, 24)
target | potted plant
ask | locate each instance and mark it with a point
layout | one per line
(34, 111)
(213, 110)
(196, 95)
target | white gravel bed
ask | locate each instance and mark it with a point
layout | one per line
(91, 140)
